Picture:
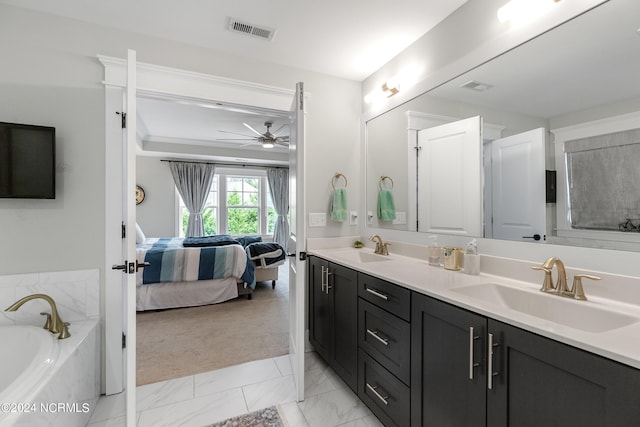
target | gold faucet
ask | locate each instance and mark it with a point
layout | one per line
(560, 287)
(54, 323)
(381, 247)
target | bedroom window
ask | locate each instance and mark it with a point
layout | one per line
(237, 204)
(243, 205)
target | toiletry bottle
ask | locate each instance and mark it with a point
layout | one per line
(434, 251)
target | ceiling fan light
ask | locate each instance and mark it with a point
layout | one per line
(267, 144)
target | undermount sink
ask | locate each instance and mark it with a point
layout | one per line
(576, 314)
(360, 255)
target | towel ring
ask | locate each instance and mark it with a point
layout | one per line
(383, 178)
(335, 179)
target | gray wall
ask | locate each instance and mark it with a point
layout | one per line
(50, 76)
(156, 215)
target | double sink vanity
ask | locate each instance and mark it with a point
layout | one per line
(425, 346)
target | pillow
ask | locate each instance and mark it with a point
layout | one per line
(247, 240)
(140, 237)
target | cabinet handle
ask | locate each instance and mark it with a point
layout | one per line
(376, 293)
(492, 374)
(472, 338)
(322, 282)
(374, 390)
(374, 334)
(328, 285)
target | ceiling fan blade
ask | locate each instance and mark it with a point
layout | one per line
(235, 133)
(252, 129)
(236, 139)
(280, 128)
(281, 142)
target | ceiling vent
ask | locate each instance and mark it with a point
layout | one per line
(237, 26)
(477, 86)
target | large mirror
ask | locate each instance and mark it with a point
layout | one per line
(573, 76)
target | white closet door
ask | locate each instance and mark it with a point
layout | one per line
(450, 178)
(518, 187)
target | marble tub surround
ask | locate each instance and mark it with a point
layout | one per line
(71, 387)
(76, 294)
(615, 293)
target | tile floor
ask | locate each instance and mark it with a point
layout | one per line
(203, 399)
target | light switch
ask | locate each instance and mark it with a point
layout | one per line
(317, 219)
(401, 218)
(369, 217)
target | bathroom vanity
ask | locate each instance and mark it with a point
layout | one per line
(434, 347)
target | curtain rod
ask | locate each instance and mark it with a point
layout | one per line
(244, 165)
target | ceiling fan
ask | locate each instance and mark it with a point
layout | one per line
(267, 139)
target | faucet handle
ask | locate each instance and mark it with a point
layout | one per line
(547, 283)
(576, 291)
(47, 323)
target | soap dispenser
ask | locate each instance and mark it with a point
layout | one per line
(434, 251)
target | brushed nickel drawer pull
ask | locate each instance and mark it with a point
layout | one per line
(472, 338)
(490, 373)
(376, 293)
(374, 334)
(378, 395)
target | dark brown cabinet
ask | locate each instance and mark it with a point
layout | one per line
(468, 370)
(333, 317)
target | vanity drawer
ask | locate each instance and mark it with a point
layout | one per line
(392, 298)
(386, 338)
(386, 396)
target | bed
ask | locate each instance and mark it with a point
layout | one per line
(199, 271)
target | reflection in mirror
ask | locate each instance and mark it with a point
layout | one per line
(529, 98)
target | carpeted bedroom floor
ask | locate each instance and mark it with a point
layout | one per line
(186, 341)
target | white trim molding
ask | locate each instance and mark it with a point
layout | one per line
(183, 83)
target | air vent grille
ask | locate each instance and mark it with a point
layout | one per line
(477, 86)
(237, 26)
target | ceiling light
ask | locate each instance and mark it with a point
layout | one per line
(267, 144)
(520, 11)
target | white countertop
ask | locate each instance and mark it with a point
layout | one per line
(621, 344)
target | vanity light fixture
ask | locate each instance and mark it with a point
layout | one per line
(518, 11)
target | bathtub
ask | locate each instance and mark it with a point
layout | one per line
(45, 381)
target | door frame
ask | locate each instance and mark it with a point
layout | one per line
(161, 81)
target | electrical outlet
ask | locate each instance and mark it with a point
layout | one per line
(353, 218)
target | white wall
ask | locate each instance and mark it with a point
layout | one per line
(156, 215)
(50, 76)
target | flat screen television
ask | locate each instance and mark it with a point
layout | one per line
(27, 161)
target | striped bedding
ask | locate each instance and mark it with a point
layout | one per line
(171, 262)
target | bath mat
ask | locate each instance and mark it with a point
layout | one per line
(268, 417)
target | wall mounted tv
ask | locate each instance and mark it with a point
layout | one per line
(27, 161)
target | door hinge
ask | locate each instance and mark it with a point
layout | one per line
(123, 117)
(303, 256)
(124, 340)
(124, 231)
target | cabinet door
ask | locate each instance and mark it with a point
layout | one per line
(344, 344)
(319, 308)
(448, 369)
(541, 382)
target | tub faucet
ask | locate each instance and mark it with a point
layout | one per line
(54, 323)
(381, 247)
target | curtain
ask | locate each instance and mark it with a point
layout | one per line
(278, 180)
(193, 181)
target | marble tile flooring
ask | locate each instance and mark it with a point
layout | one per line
(202, 399)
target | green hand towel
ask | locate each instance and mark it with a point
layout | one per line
(339, 205)
(386, 206)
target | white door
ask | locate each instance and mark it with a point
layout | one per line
(120, 241)
(518, 186)
(450, 178)
(297, 241)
